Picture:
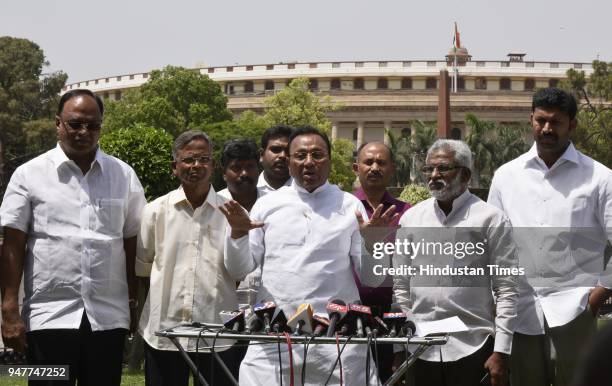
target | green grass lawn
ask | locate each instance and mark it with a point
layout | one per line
(128, 379)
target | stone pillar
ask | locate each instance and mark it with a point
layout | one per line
(444, 118)
(387, 128)
(360, 128)
(334, 131)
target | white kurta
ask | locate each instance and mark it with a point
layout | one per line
(562, 219)
(305, 250)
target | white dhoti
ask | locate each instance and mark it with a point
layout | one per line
(261, 365)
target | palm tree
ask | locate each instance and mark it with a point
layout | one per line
(479, 141)
(410, 151)
(400, 147)
(493, 145)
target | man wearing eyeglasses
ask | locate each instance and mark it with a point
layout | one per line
(180, 247)
(484, 301)
(70, 220)
(306, 237)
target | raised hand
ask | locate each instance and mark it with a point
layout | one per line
(378, 219)
(238, 219)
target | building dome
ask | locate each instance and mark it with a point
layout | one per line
(461, 51)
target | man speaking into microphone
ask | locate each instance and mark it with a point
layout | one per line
(304, 237)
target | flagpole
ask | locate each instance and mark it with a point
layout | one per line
(455, 42)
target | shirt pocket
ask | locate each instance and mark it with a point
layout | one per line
(582, 211)
(110, 216)
(39, 219)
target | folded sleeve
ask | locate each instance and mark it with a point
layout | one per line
(16, 209)
(136, 202)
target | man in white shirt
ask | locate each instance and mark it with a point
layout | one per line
(70, 220)
(560, 204)
(486, 303)
(304, 237)
(240, 164)
(180, 247)
(274, 159)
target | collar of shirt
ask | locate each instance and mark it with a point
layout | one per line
(178, 196)
(387, 201)
(570, 154)
(301, 190)
(263, 183)
(59, 157)
(458, 203)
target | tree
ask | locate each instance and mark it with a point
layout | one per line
(148, 151)
(593, 135)
(400, 147)
(296, 106)
(174, 99)
(410, 151)
(26, 94)
(247, 126)
(413, 194)
(479, 141)
(493, 145)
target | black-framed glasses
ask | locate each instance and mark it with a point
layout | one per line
(191, 160)
(75, 125)
(442, 169)
(316, 155)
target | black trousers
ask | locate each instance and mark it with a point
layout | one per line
(94, 357)
(168, 368)
(467, 371)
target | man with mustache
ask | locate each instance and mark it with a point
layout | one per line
(374, 167)
(70, 220)
(560, 203)
(486, 303)
(239, 160)
(306, 237)
(240, 163)
(180, 247)
(274, 159)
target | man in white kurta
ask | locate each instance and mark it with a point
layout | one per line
(560, 203)
(486, 301)
(180, 247)
(305, 237)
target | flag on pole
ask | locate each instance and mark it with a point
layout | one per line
(457, 39)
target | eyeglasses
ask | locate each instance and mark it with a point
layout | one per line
(316, 156)
(204, 159)
(78, 125)
(442, 169)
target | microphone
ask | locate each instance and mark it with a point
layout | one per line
(321, 324)
(301, 321)
(359, 313)
(253, 322)
(408, 328)
(395, 319)
(265, 311)
(279, 321)
(378, 327)
(337, 310)
(233, 320)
